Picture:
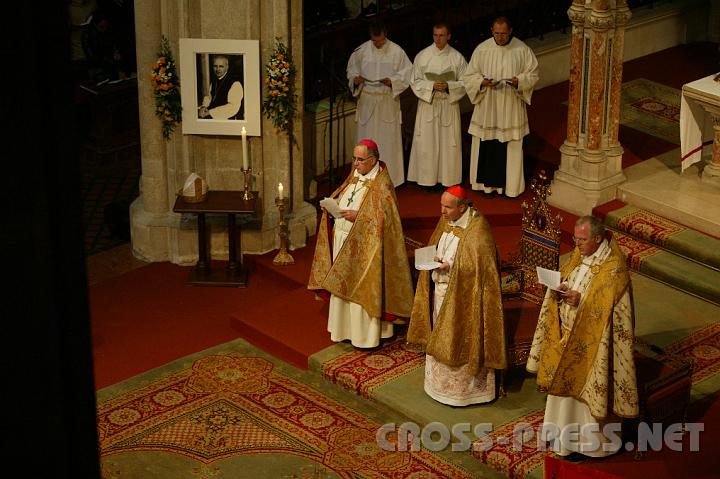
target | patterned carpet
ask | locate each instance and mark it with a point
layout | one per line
(361, 371)
(666, 251)
(703, 348)
(512, 449)
(652, 108)
(652, 228)
(232, 411)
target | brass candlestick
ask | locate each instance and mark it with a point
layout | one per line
(283, 257)
(247, 195)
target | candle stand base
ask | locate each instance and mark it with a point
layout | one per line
(283, 258)
(247, 194)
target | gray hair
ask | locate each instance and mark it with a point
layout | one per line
(597, 228)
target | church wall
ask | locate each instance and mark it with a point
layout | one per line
(158, 234)
(649, 30)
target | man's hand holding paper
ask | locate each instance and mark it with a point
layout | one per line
(332, 207)
(425, 258)
(549, 278)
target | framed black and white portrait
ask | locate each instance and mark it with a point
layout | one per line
(220, 86)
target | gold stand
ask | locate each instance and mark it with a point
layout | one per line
(283, 257)
(247, 195)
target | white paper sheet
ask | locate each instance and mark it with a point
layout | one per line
(548, 277)
(424, 258)
(331, 206)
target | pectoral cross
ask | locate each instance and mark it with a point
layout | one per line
(355, 190)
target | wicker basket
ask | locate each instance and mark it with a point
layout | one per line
(199, 195)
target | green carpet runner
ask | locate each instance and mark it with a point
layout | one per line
(669, 252)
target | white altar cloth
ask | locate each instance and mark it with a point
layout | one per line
(696, 128)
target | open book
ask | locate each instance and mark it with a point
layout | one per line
(445, 76)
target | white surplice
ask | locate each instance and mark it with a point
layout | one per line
(447, 384)
(378, 116)
(436, 155)
(348, 320)
(500, 111)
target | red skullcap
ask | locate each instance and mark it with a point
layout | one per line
(371, 145)
(457, 191)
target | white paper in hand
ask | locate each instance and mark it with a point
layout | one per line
(424, 258)
(331, 206)
(548, 277)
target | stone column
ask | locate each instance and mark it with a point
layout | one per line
(591, 156)
(149, 212)
(576, 13)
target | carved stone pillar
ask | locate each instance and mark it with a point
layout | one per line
(711, 172)
(591, 156)
(149, 213)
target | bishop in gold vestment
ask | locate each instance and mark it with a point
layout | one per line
(457, 314)
(582, 350)
(365, 267)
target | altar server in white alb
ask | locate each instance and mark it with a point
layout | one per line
(499, 81)
(378, 72)
(436, 155)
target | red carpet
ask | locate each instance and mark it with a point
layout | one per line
(663, 464)
(149, 317)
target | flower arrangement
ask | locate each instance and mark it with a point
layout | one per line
(279, 104)
(166, 86)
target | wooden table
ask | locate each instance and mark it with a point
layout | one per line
(230, 203)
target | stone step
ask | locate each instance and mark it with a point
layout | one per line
(668, 235)
(670, 268)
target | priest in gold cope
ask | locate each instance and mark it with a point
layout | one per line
(365, 266)
(457, 315)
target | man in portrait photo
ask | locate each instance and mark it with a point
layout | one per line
(222, 95)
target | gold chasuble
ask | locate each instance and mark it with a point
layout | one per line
(598, 349)
(372, 267)
(469, 328)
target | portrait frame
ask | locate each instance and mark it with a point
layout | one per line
(197, 77)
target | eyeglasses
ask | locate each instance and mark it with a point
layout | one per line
(501, 34)
(361, 160)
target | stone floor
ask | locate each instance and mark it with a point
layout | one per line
(657, 185)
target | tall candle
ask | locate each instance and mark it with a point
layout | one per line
(280, 190)
(244, 148)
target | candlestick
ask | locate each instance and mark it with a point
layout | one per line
(283, 257)
(247, 195)
(280, 190)
(246, 162)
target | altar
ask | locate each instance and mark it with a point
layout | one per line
(700, 126)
